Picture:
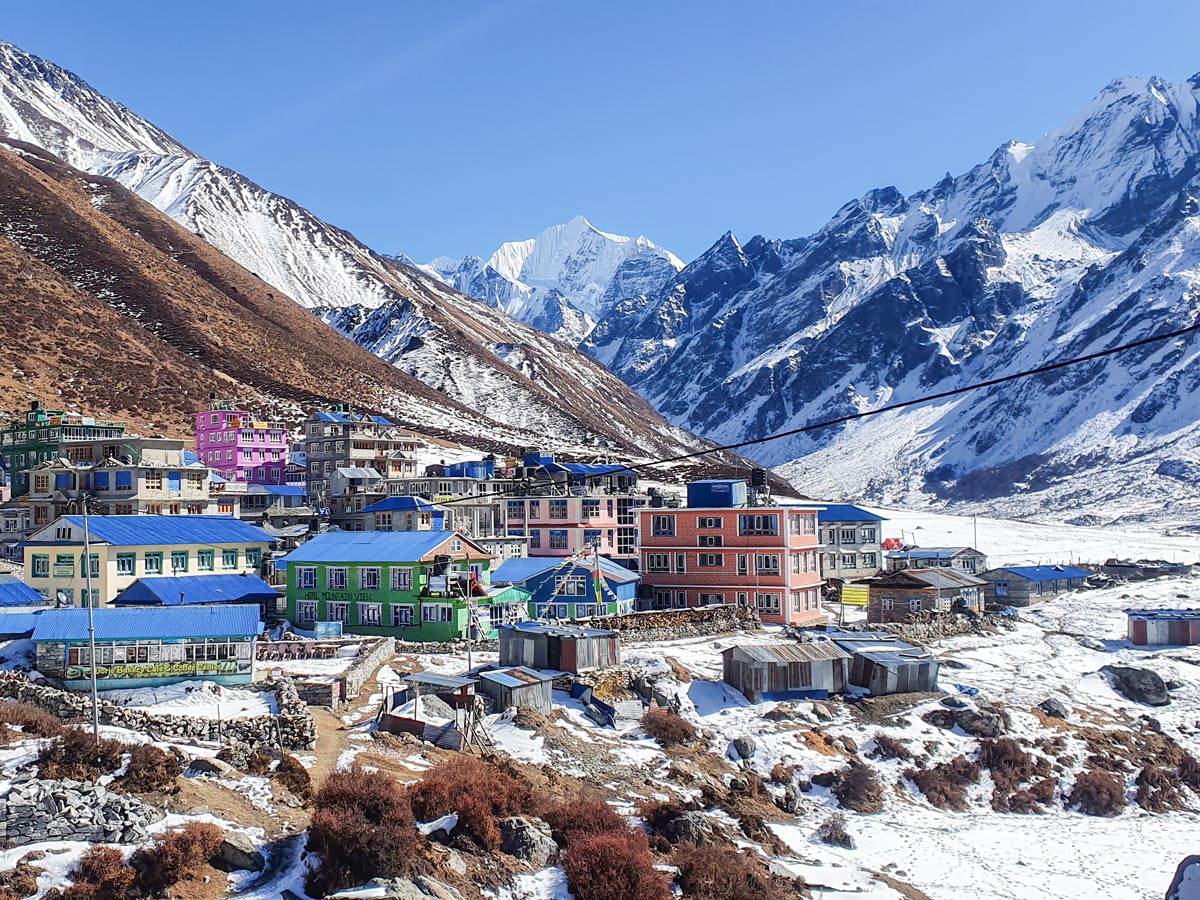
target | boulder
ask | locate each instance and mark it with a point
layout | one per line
(953, 703)
(418, 888)
(790, 800)
(212, 766)
(1054, 708)
(237, 853)
(984, 721)
(688, 827)
(744, 746)
(528, 840)
(1139, 685)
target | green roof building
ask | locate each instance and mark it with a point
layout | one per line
(39, 435)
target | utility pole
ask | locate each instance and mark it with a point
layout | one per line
(87, 577)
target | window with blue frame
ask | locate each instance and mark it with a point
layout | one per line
(179, 561)
(205, 560)
(253, 556)
(126, 563)
(535, 539)
(152, 562)
(229, 559)
(1001, 586)
(124, 480)
(558, 539)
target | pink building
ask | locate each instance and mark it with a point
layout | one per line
(760, 556)
(239, 448)
(563, 526)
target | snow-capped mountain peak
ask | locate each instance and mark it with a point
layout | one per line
(562, 279)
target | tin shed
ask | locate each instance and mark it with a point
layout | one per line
(885, 665)
(518, 686)
(1168, 627)
(563, 648)
(786, 671)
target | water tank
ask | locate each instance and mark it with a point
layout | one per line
(717, 493)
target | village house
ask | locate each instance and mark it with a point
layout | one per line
(342, 439)
(148, 647)
(898, 596)
(965, 559)
(851, 542)
(567, 589)
(1026, 585)
(413, 585)
(786, 671)
(560, 648)
(127, 477)
(36, 438)
(1163, 627)
(239, 447)
(125, 548)
(721, 549)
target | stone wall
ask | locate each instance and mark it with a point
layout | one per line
(670, 624)
(364, 667)
(321, 693)
(292, 729)
(928, 627)
(35, 810)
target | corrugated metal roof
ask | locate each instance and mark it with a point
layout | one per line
(357, 472)
(521, 569)
(1172, 614)
(847, 512)
(18, 622)
(18, 593)
(405, 504)
(325, 416)
(1046, 573)
(560, 630)
(590, 468)
(942, 578)
(276, 490)
(147, 623)
(435, 680)
(516, 676)
(813, 651)
(145, 531)
(167, 590)
(928, 552)
(369, 546)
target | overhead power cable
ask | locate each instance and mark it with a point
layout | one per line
(891, 407)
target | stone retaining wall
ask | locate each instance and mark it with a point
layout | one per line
(671, 624)
(292, 729)
(929, 627)
(364, 667)
(66, 810)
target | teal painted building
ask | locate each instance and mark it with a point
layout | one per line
(566, 588)
(412, 585)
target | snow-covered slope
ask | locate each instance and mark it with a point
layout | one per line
(564, 279)
(501, 368)
(1087, 239)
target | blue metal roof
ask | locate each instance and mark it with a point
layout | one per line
(559, 630)
(928, 553)
(326, 416)
(147, 624)
(368, 546)
(277, 490)
(12, 623)
(190, 458)
(143, 531)
(521, 569)
(188, 590)
(846, 512)
(1046, 573)
(404, 504)
(589, 468)
(17, 593)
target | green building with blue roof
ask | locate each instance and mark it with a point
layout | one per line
(413, 585)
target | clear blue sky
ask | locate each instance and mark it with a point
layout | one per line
(446, 128)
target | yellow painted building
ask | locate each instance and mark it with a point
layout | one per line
(125, 548)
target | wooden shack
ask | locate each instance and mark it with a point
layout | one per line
(1164, 627)
(883, 664)
(563, 648)
(786, 671)
(518, 686)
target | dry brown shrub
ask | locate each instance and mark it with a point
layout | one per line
(722, 872)
(833, 832)
(668, 728)
(479, 792)
(101, 874)
(1098, 792)
(32, 720)
(21, 880)
(362, 828)
(1011, 767)
(888, 747)
(176, 856)
(781, 774)
(659, 814)
(945, 785)
(292, 775)
(76, 754)
(150, 769)
(613, 866)
(856, 787)
(1158, 790)
(583, 817)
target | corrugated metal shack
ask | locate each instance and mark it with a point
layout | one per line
(518, 686)
(1174, 627)
(786, 671)
(884, 664)
(564, 648)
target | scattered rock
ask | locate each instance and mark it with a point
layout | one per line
(528, 840)
(418, 888)
(1139, 685)
(688, 827)
(791, 800)
(238, 852)
(1054, 708)
(212, 766)
(744, 746)
(984, 721)
(948, 663)
(953, 703)
(822, 712)
(1174, 684)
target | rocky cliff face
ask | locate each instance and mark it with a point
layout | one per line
(1087, 239)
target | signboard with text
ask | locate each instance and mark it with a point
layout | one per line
(164, 669)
